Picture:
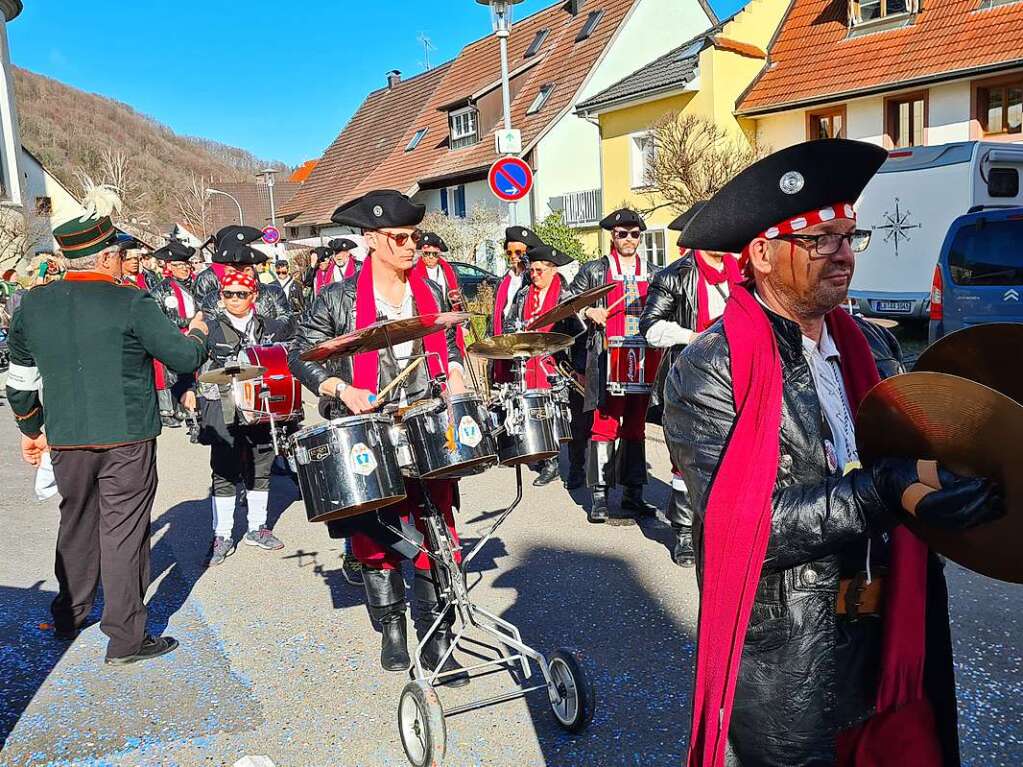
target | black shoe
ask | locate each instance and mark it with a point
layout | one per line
(683, 554)
(429, 607)
(576, 478)
(434, 650)
(65, 635)
(394, 642)
(548, 473)
(632, 500)
(385, 596)
(152, 647)
(598, 508)
(170, 422)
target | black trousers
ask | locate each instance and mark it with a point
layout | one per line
(248, 461)
(106, 500)
(582, 426)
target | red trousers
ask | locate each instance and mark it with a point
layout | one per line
(371, 553)
(623, 417)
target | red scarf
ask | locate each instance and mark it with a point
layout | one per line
(180, 296)
(366, 367)
(737, 527)
(708, 275)
(501, 372)
(616, 318)
(537, 368)
(219, 269)
(139, 280)
(325, 277)
(451, 284)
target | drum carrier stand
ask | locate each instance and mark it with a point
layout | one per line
(421, 716)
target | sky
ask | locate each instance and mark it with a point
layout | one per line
(279, 79)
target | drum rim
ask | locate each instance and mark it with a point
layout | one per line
(620, 341)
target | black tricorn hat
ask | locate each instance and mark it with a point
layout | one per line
(543, 252)
(378, 210)
(799, 179)
(623, 217)
(527, 237)
(322, 252)
(339, 244)
(434, 239)
(240, 255)
(174, 251)
(233, 235)
(680, 222)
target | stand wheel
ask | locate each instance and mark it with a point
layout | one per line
(573, 690)
(421, 725)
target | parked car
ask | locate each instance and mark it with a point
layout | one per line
(979, 276)
(470, 277)
(910, 204)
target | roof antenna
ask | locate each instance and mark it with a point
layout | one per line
(428, 45)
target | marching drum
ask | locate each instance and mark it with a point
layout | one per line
(275, 396)
(448, 438)
(348, 466)
(631, 365)
(529, 428)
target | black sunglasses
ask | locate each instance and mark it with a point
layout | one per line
(236, 294)
(623, 234)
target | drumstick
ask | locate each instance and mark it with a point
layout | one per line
(399, 378)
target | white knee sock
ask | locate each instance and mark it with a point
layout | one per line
(223, 515)
(258, 501)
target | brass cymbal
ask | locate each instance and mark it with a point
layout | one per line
(968, 428)
(231, 373)
(383, 334)
(512, 346)
(988, 354)
(883, 322)
(570, 306)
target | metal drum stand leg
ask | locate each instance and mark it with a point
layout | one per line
(421, 714)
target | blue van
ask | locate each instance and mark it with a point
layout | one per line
(979, 276)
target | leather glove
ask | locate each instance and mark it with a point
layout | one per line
(960, 503)
(892, 477)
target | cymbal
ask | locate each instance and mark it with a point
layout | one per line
(231, 373)
(570, 306)
(382, 334)
(512, 346)
(883, 322)
(988, 354)
(968, 428)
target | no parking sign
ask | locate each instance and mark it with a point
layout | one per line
(510, 179)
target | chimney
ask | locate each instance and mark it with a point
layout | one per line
(574, 6)
(393, 78)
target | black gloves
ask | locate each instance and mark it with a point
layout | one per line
(961, 503)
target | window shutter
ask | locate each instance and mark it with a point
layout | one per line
(444, 201)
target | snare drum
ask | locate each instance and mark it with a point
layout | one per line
(529, 429)
(276, 392)
(631, 365)
(348, 466)
(449, 439)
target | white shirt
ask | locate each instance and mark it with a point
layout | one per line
(826, 369)
(514, 286)
(244, 325)
(664, 334)
(436, 273)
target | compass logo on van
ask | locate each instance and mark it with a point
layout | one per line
(896, 226)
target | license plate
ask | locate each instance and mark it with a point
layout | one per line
(900, 307)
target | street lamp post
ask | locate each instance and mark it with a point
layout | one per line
(241, 219)
(268, 178)
(501, 20)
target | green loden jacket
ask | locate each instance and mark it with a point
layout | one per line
(85, 346)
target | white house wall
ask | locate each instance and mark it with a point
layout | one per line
(948, 113)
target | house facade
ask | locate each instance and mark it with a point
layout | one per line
(441, 150)
(702, 77)
(893, 72)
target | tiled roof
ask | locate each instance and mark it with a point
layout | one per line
(370, 152)
(814, 57)
(302, 172)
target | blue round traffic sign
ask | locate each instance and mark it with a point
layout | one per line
(510, 179)
(271, 235)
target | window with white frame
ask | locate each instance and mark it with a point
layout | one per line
(644, 156)
(653, 246)
(541, 98)
(414, 141)
(464, 127)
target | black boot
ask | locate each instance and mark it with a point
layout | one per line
(385, 595)
(632, 500)
(683, 554)
(632, 474)
(429, 607)
(576, 477)
(599, 477)
(680, 516)
(548, 473)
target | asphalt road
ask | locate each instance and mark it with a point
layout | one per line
(278, 657)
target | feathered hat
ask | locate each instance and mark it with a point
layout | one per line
(93, 231)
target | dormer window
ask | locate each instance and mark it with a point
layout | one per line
(534, 47)
(464, 125)
(867, 11)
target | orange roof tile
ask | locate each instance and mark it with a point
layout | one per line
(814, 57)
(302, 172)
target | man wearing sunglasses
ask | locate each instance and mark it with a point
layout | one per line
(240, 453)
(434, 267)
(616, 416)
(291, 287)
(234, 253)
(760, 417)
(386, 286)
(517, 239)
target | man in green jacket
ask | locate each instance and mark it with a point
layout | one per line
(81, 386)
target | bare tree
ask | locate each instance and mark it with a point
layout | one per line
(193, 206)
(19, 237)
(692, 159)
(472, 238)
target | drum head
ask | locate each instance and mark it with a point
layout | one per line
(466, 469)
(519, 460)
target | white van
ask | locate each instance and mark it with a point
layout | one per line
(910, 204)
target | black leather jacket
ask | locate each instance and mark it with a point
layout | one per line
(332, 314)
(294, 292)
(206, 282)
(671, 297)
(806, 673)
(593, 274)
(571, 326)
(270, 303)
(168, 300)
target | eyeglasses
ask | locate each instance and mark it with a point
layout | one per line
(242, 294)
(539, 269)
(515, 251)
(402, 237)
(623, 234)
(830, 243)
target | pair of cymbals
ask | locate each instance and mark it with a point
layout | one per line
(963, 406)
(512, 346)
